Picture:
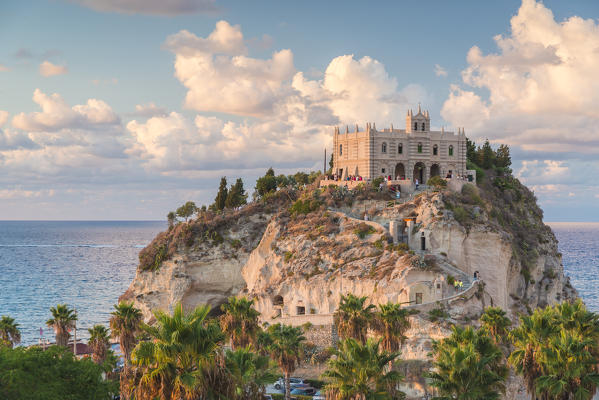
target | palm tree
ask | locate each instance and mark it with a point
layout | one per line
(495, 322)
(9, 331)
(528, 339)
(125, 324)
(353, 317)
(391, 324)
(63, 319)
(285, 349)
(359, 372)
(178, 360)
(250, 373)
(99, 343)
(556, 350)
(240, 321)
(570, 368)
(468, 366)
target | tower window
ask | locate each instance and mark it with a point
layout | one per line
(435, 150)
(415, 126)
(451, 150)
(340, 149)
(424, 126)
(419, 147)
(400, 149)
(384, 147)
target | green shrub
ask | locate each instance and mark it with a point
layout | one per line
(235, 243)
(376, 182)
(450, 280)
(305, 206)
(437, 182)
(461, 215)
(288, 256)
(437, 314)
(363, 230)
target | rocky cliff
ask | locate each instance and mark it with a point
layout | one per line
(297, 251)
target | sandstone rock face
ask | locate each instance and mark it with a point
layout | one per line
(296, 268)
(202, 274)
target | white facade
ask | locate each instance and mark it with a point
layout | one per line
(412, 153)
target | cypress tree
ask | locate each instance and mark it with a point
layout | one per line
(237, 195)
(221, 196)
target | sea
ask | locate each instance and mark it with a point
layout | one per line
(89, 264)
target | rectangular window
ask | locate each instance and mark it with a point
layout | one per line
(340, 149)
(419, 147)
(301, 310)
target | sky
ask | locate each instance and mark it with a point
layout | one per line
(125, 109)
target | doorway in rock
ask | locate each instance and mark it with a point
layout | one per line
(435, 170)
(301, 310)
(422, 242)
(418, 298)
(400, 171)
(419, 172)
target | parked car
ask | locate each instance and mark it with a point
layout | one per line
(318, 396)
(293, 383)
(303, 391)
(267, 397)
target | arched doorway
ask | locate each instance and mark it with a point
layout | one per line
(435, 170)
(400, 171)
(419, 172)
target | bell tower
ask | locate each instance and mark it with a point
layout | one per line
(420, 122)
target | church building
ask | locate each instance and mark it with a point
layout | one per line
(413, 153)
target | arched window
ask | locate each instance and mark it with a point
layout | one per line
(384, 147)
(419, 147)
(435, 150)
(340, 149)
(424, 126)
(415, 126)
(451, 150)
(400, 149)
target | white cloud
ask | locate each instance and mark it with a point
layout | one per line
(3, 117)
(149, 110)
(56, 114)
(49, 69)
(440, 71)
(542, 91)
(151, 7)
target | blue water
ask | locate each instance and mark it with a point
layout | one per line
(579, 245)
(88, 265)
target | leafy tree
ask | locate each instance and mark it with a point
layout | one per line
(250, 373)
(267, 183)
(283, 181)
(391, 324)
(495, 323)
(301, 178)
(359, 372)
(53, 374)
(237, 196)
(353, 317)
(471, 151)
(9, 332)
(486, 155)
(240, 321)
(285, 348)
(171, 217)
(63, 319)
(221, 197)
(125, 324)
(179, 357)
(467, 366)
(502, 157)
(186, 210)
(99, 343)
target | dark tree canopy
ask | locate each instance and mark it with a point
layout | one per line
(221, 197)
(54, 374)
(237, 196)
(267, 183)
(186, 210)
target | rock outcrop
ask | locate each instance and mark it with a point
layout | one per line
(296, 262)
